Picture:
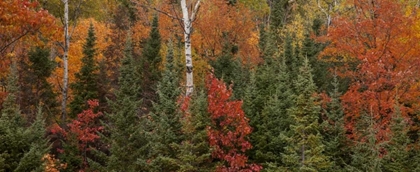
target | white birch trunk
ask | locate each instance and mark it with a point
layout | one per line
(187, 21)
(65, 61)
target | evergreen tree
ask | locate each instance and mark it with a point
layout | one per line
(398, 151)
(273, 122)
(305, 150)
(104, 88)
(194, 153)
(127, 139)
(291, 58)
(279, 13)
(231, 69)
(366, 153)
(22, 148)
(226, 65)
(150, 62)
(85, 86)
(36, 90)
(166, 119)
(333, 130)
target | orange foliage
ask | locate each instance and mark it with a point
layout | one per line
(76, 49)
(217, 18)
(379, 37)
(21, 21)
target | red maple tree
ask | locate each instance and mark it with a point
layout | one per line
(227, 134)
(378, 36)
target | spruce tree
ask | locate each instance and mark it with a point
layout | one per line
(398, 158)
(127, 138)
(36, 90)
(22, 147)
(85, 85)
(305, 150)
(333, 131)
(194, 152)
(273, 122)
(150, 62)
(166, 119)
(366, 152)
(231, 69)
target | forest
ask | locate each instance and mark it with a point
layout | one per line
(209, 85)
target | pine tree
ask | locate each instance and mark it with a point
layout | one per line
(398, 158)
(36, 90)
(127, 138)
(194, 153)
(85, 86)
(305, 150)
(150, 62)
(166, 119)
(21, 148)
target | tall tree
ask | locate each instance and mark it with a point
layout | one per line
(188, 16)
(85, 86)
(127, 138)
(333, 130)
(195, 152)
(65, 62)
(369, 36)
(305, 150)
(166, 119)
(398, 149)
(273, 121)
(150, 62)
(36, 90)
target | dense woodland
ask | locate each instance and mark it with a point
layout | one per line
(209, 85)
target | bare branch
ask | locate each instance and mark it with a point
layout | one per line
(194, 12)
(157, 10)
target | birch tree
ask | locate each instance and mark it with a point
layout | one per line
(188, 16)
(65, 60)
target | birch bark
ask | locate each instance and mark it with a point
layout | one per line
(187, 21)
(65, 62)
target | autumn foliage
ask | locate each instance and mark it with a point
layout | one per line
(229, 129)
(82, 131)
(378, 37)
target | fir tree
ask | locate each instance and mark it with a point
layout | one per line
(366, 152)
(36, 90)
(226, 65)
(273, 121)
(279, 13)
(194, 153)
(398, 158)
(231, 69)
(85, 86)
(166, 119)
(150, 62)
(333, 130)
(127, 138)
(21, 148)
(305, 150)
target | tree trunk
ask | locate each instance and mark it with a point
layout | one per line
(65, 62)
(187, 21)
